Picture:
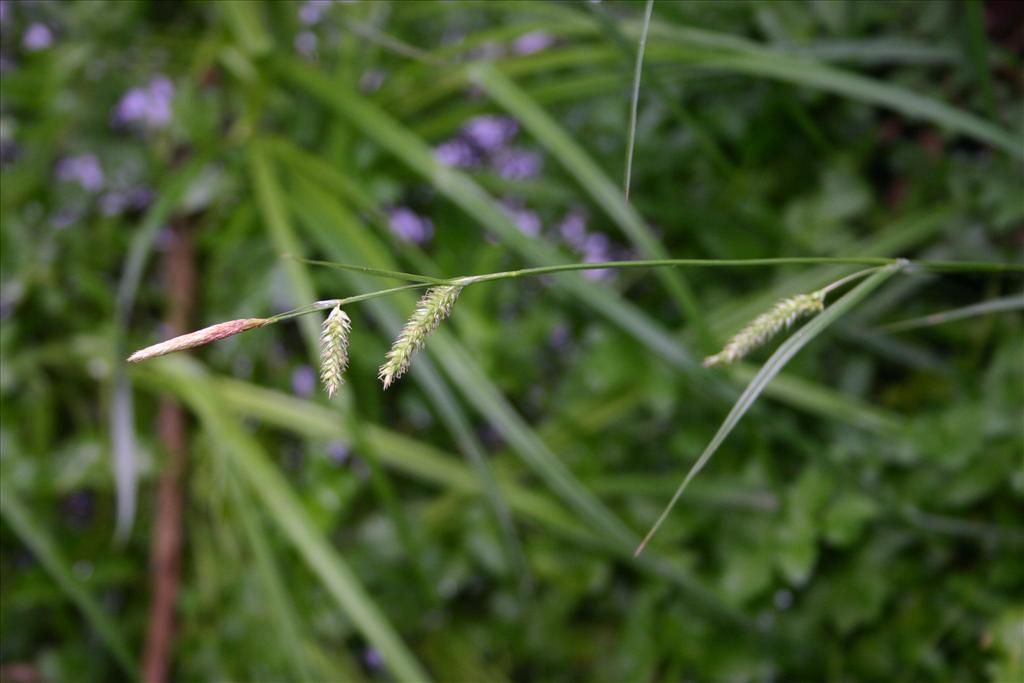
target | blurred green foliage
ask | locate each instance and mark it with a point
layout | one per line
(863, 522)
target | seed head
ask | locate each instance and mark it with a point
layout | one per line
(334, 349)
(197, 338)
(764, 326)
(433, 307)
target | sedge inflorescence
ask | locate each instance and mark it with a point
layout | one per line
(334, 349)
(197, 338)
(433, 307)
(765, 326)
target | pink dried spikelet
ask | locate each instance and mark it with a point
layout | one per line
(197, 338)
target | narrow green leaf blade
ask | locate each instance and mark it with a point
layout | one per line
(768, 371)
(270, 199)
(286, 510)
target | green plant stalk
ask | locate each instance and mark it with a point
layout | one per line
(634, 100)
(466, 280)
(1001, 305)
(421, 281)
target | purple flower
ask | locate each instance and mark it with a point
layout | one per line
(5, 11)
(596, 273)
(517, 163)
(560, 336)
(303, 381)
(372, 659)
(305, 43)
(490, 132)
(116, 202)
(456, 153)
(486, 52)
(407, 225)
(84, 170)
(65, 218)
(597, 245)
(531, 42)
(312, 11)
(596, 248)
(37, 37)
(527, 221)
(372, 79)
(149, 106)
(573, 229)
(338, 452)
(113, 203)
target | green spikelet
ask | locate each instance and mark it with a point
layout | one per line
(433, 307)
(334, 349)
(766, 325)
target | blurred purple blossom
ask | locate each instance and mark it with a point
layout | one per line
(305, 43)
(116, 202)
(560, 336)
(407, 225)
(527, 221)
(516, 163)
(486, 52)
(37, 37)
(149, 106)
(5, 11)
(596, 249)
(83, 169)
(531, 42)
(490, 132)
(457, 153)
(372, 79)
(304, 381)
(65, 218)
(597, 244)
(338, 452)
(312, 11)
(573, 229)
(372, 659)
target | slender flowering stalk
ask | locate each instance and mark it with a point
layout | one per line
(433, 307)
(334, 349)
(766, 325)
(436, 304)
(197, 338)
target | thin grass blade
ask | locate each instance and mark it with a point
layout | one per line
(1001, 305)
(634, 99)
(270, 199)
(287, 512)
(768, 371)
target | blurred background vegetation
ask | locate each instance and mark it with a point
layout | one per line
(212, 516)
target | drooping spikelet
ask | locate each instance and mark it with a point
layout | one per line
(764, 326)
(334, 349)
(433, 307)
(197, 338)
